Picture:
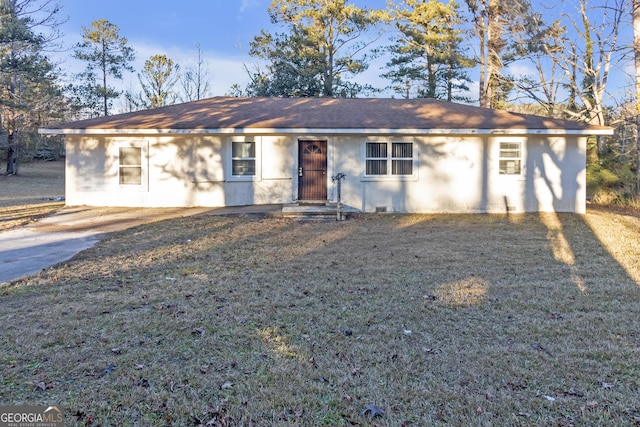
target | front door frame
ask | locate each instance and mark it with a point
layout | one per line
(312, 169)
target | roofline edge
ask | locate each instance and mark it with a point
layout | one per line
(236, 131)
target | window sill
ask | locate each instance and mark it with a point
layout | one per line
(243, 179)
(392, 178)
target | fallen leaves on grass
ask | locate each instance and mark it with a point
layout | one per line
(142, 382)
(538, 347)
(107, 370)
(87, 419)
(372, 411)
(43, 385)
(292, 414)
(214, 417)
(592, 405)
(226, 385)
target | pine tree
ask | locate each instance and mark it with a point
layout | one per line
(323, 47)
(427, 58)
(27, 77)
(107, 55)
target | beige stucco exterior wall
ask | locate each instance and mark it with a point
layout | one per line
(461, 174)
(182, 170)
(453, 173)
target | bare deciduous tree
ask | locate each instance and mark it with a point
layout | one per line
(587, 58)
(158, 77)
(494, 23)
(195, 81)
(636, 56)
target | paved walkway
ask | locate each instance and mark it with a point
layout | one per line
(25, 251)
(57, 238)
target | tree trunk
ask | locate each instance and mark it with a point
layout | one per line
(484, 98)
(12, 154)
(636, 52)
(105, 98)
(12, 138)
(449, 83)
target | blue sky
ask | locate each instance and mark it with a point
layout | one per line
(223, 28)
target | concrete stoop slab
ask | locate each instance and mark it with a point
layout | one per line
(316, 212)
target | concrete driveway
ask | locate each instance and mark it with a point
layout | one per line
(57, 238)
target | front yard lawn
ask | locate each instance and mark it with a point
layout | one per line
(434, 319)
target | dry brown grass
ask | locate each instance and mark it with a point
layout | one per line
(30, 194)
(460, 320)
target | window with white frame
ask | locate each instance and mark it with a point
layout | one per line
(243, 158)
(130, 165)
(389, 159)
(510, 158)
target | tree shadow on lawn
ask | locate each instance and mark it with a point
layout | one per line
(465, 319)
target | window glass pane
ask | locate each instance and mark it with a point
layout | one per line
(402, 167)
(510, 154)
(130, 162)
(510, 167)
(510, 158)
(510, 146)
(376, 149)
(243, 158)
(130, 156)
(243, 149)
(402, 149)
(243, 167)
(312, 149)
(508, 149)
(130, 175)
(376, 167)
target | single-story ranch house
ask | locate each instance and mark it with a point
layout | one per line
(398, 155)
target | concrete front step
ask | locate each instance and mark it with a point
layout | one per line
(315, 212)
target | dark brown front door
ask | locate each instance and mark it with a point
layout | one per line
(312, 170)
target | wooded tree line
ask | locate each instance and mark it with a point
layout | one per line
(431, 48)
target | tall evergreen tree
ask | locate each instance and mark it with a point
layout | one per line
(427, 58)
(323, 47)
(108, 55)
(27, 77)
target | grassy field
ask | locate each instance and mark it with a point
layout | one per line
(461, 320)
(31, 194)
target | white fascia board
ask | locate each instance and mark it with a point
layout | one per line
(363, 131)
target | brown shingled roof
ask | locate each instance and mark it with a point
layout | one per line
(219, 113)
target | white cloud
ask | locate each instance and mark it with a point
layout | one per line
(521, 69)
(248, 4)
